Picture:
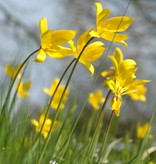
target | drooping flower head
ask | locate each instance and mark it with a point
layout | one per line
(58, 94)
(90, 53)
(51, 42)
(109, 28)
(121, 80)
(47, 125)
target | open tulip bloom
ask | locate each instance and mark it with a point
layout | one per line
(121, 80)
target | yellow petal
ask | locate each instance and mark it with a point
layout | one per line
(119, 38)
(94, 51)
(140, 82)
(62, 36)
(47, 91)
(113, 36)
(118, 24)
(100, 20)
(98, 8)
(111, 84)
(139, 94)
(43, 25)
(118, 55)
(142, 130)
(89, 66)
(52, 88)
(45, 134)
(35, 123)
(73, 47)
(94, 34)
(124, 43)
(9, 70)
(95, 99)
(106, 73)
(83, 40)
(41, 56)
(59, 52)
(116, 104)
(127, 64)
(41, 119)
(23, 89)
(48, 123)
(115, 64)
(46, 40)
(27, 85)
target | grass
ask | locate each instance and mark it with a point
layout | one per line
(19, 145)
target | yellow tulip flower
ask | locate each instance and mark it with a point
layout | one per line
(91, 53)
(51, 42)
(121, 80)
(109, 28)
(58, 94)
(11, 71)
(95, 99)
(47, 125)
(142, 130)
(23, 88)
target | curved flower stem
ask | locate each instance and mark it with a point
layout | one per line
(14, 79)
(56, 114)
(105, 139)
(57, 110)
(98, 126)
(52, 97)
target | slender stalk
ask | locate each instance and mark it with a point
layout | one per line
(14, 79)
(98, 125)
(51, 99)
(72, 130)
(105, 138)
(57, 111)
(67, 83)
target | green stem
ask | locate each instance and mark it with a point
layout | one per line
(64, 146)
(57, 111)
(105, 138)
(14, 79)
(67, 83)
(51, 99)
(98, 126)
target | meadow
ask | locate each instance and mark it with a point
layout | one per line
(60, 132)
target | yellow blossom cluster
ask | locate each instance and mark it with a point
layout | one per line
(120, 79)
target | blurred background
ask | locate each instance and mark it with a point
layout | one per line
(19, 36)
